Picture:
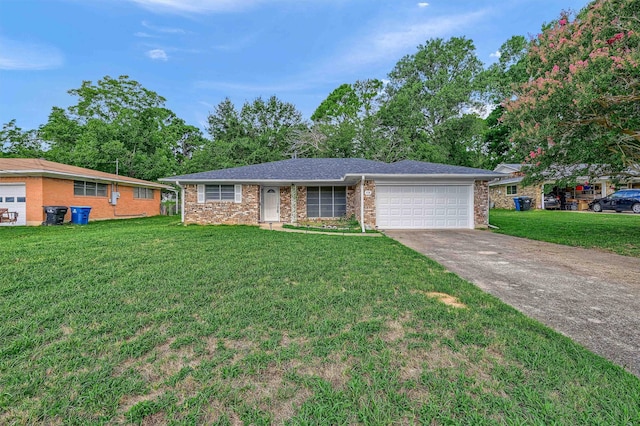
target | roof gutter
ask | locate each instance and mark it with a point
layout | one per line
(356, 177)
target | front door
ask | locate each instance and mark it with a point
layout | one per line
(271, 200)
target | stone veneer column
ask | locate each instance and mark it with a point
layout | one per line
(369, 204)
(481, 204)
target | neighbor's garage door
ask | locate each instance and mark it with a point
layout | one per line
(424, 206)
(13, 197)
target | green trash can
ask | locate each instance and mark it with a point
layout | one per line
(80, 215)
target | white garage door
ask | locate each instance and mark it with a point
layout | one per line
(424, 206)
(14, 198)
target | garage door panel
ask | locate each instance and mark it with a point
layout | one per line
(424, 206)
(13, 198)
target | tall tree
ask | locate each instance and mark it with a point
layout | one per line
(261, 131)
(581, 104)
(440, 82)
(18, 143)
(348, 121)
(120, 120)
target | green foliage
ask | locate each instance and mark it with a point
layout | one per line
(428, 95)
(18, 143)
(580, 104)
(118, 119)
(261, 131)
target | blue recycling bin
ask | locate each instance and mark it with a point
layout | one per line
(516, 201)
(80, 215)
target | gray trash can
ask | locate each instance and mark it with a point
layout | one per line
(55, 215)
(525, 203)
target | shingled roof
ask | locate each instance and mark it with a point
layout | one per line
(331, 169)
(40, 167)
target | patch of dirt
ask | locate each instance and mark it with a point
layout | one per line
(396, 329)
(158, 418)
(66, 330)
(445, 298)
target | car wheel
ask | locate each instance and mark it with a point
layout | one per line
(597, 207)
(636, 208)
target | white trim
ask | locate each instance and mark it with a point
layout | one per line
(75, 176)
(237, 193)
(201, 198)
(362, 204)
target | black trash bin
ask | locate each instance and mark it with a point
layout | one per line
(55, 215)
(525, 203)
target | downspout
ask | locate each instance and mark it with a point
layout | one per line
(362, 203)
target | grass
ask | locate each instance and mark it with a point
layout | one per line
(147, 321)
(617, 233)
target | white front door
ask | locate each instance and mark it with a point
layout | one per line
(271, 207)
(13, 197)
(424, 206)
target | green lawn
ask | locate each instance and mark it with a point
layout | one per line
(614, 232)
(148, 321)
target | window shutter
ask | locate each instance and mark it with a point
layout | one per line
(200, 193)
(238, 191)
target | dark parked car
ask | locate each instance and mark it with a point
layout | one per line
(551, 201)
(625, 199)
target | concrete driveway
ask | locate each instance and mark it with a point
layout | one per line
(590, 296)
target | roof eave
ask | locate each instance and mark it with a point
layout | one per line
(49, 173)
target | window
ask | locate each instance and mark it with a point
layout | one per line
(219, 193)
(326, 201)
(9, 199)
(512, 189)
(89, 189)
(143, 193)
(21, 199)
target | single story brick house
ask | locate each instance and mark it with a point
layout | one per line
(403, 195)
(503, 190)
(27, 185)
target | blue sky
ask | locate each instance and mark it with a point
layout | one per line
(197, 52)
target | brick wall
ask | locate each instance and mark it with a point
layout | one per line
(222, 212)
(500, 199)
(43, 191)
(302, 203)
(285, 204)
(369, 204)
(481, 204)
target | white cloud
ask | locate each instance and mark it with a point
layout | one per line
(423, 4)
(17, 55)
(400, 38)
(166, 30)
(196, 6)
(496, 54)
(157, 54)
(144, 35)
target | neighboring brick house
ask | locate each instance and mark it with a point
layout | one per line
(27, 185)
(403, 195)
(503, 190)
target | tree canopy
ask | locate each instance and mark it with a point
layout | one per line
(118, 119)
(581, 103)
